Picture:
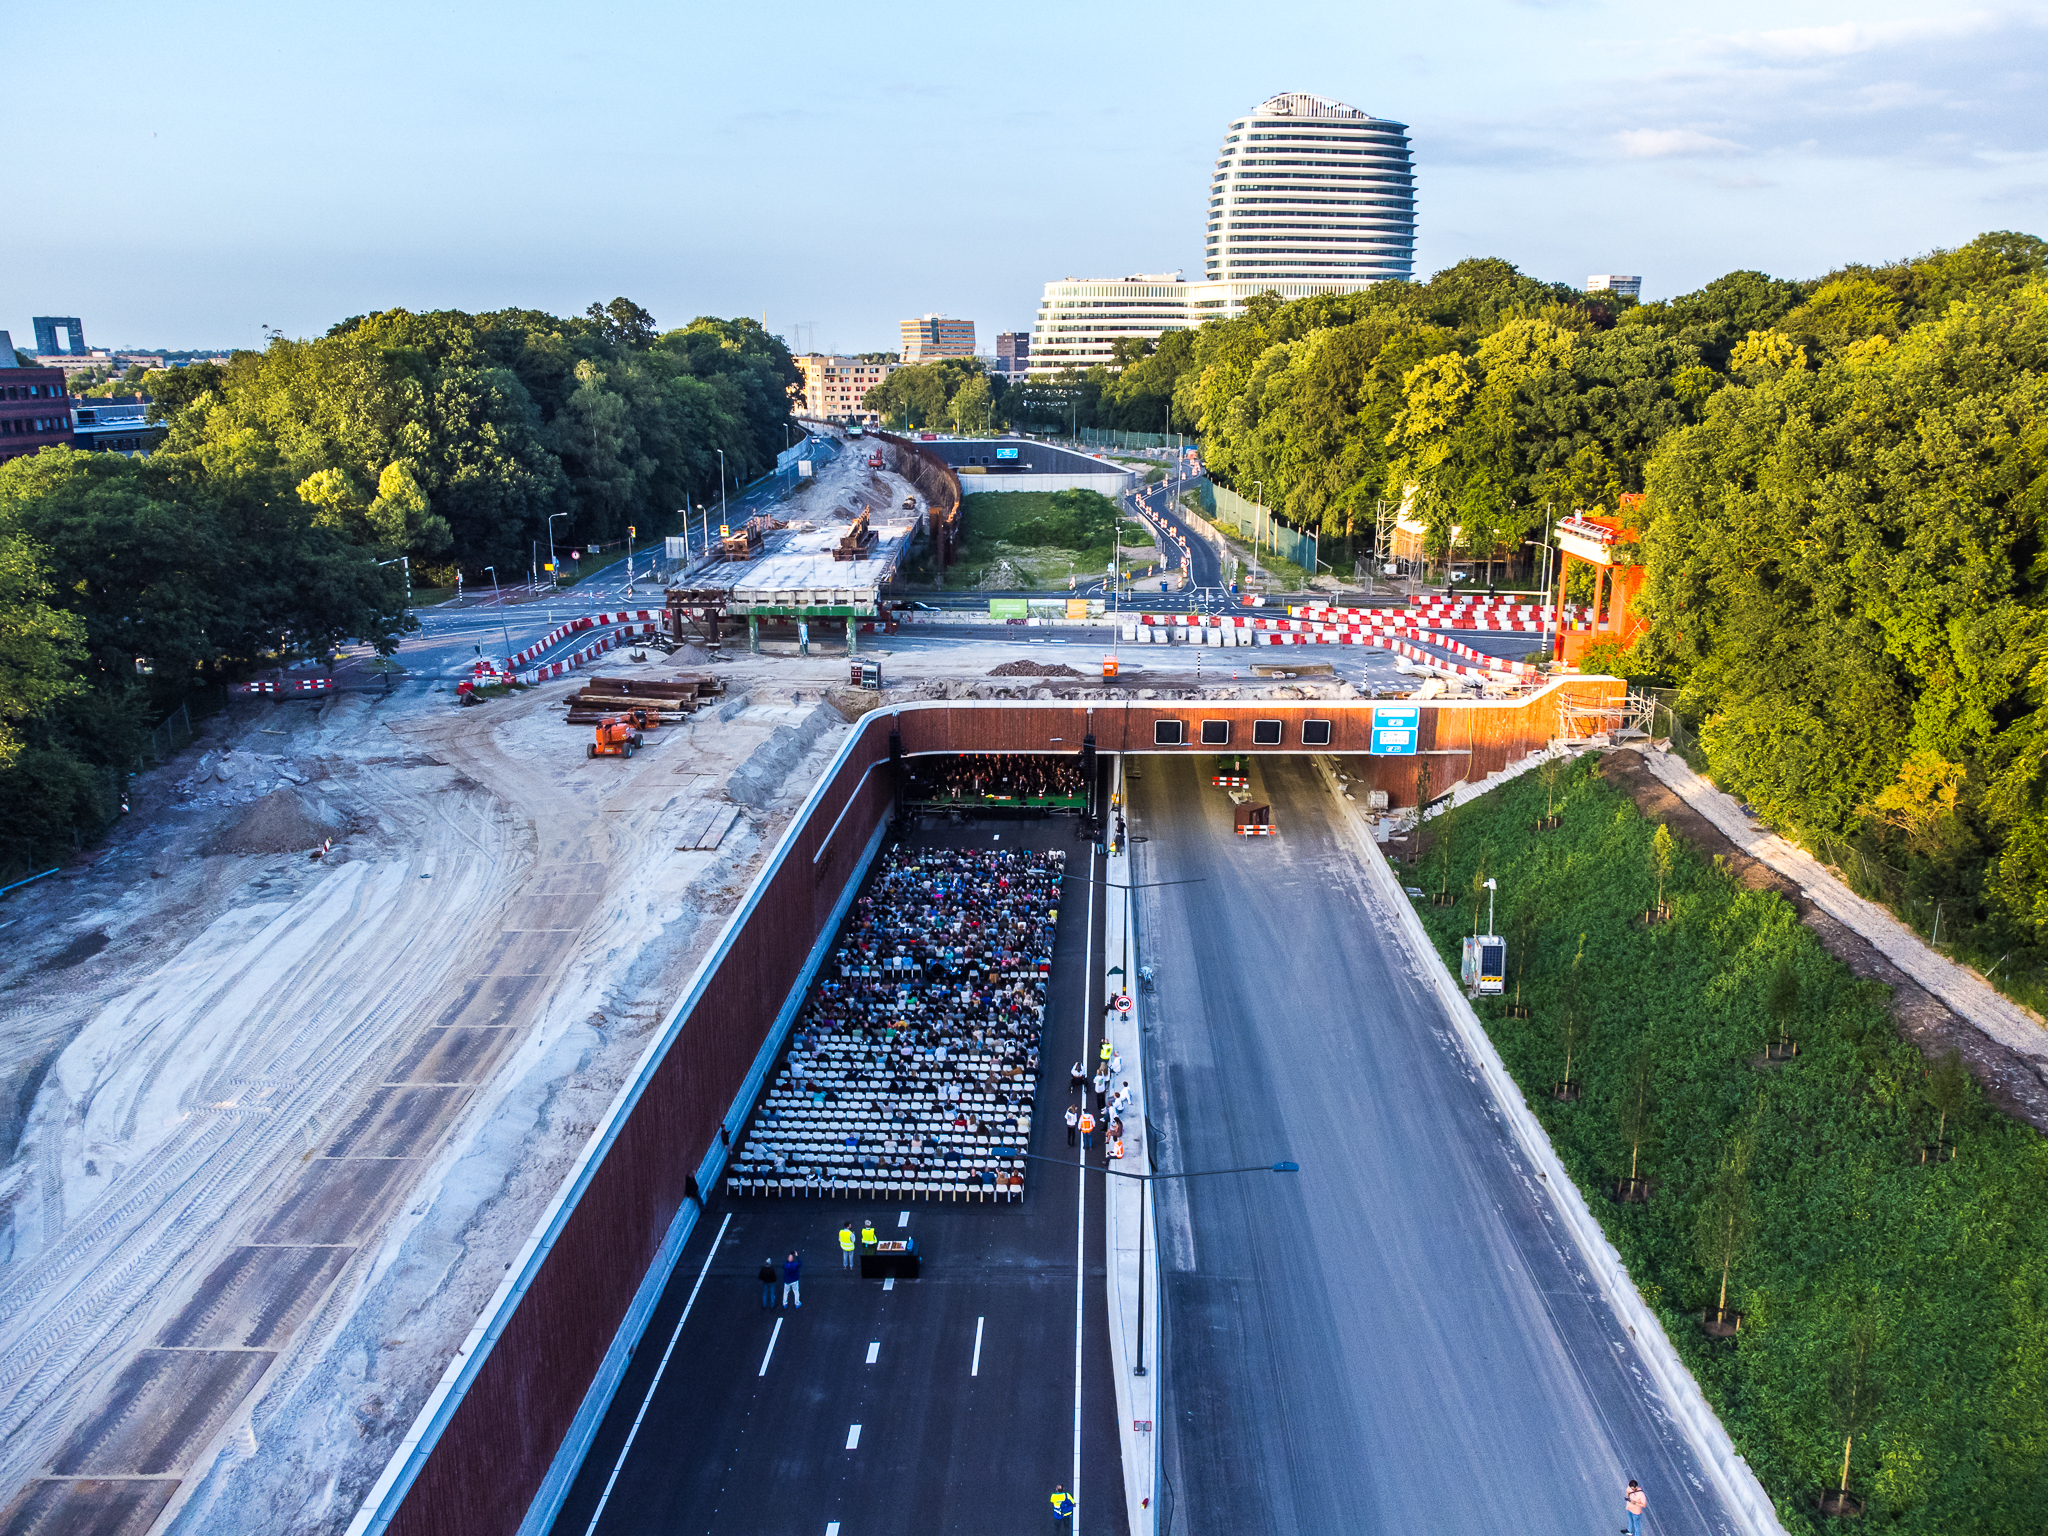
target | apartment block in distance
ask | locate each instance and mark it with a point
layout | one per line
(1013, 356)
(35, 407)
(934, 336)
(835, 387)
(1615, 282)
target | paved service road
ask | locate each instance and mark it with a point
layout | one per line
(962, 1381)
(1394, 1340)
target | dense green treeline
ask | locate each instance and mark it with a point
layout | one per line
(1923, 1285)
(270, 522)
(1848, 582)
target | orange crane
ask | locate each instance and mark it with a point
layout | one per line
(616, 737)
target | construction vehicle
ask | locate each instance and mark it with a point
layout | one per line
(1231, 773)
(875, 459)
(1253, 820)
(615, 737)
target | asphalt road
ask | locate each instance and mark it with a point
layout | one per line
(749, 1429)
(1207, 564)
(1393, 1340)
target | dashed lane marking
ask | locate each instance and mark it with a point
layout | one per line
(975, 1369)
(889, 1284)
(853, 1438)
(874, 1349)
(903, 1219)
(770, 1353)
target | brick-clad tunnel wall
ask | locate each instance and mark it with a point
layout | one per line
(479, 1453)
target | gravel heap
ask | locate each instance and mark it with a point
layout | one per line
(284, 821)
(1033, 669)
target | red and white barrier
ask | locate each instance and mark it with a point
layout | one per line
(288, 685)
(588, 653)
(575, 626)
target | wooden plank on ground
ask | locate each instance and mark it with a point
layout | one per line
(721, 823)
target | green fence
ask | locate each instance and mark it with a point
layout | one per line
(1256, 525)
(1097, 437)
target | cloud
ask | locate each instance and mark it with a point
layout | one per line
(1660, 143)
(1805, 44)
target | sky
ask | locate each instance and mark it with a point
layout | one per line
(214, 170)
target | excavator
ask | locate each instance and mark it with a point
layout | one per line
(616, 737)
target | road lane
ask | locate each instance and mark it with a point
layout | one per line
(1396, 1341)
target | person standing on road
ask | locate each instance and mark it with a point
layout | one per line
(1636, 1502)
(767, 1284)
(1101, 1088)
(1087, 1125)
(1078, 1081)
(846, 1246)
(867, 1233)
(792, 1281)
(1062, 1504)
(1073, 1119)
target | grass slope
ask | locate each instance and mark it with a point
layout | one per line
(1940, 1268)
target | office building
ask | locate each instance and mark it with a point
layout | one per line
(35, 408)
(117, 424)
(1013, 356)
(835, 387)
(934, 336)
(1309, 196)
(47, 327)
(1615, 282)
(1307, 188)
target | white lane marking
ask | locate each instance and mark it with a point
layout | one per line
(831, 1528)
(627, 1448)
(903, 1220)
(889, 1284)
(853, 1438)
(874, 1349)
(1081, 1177)
(975, 1369)
(766, 1357)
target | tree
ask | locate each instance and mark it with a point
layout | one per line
(623, 323)
(1573, 1019)
(1947, 1090)
(1552, 774)
(1663, 851)
(1855, 1387)
(970, 404)
(1781, 999)
(1726, 1222)
(1636, 1122)
(40, 646)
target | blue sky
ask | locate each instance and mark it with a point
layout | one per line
(211, 169)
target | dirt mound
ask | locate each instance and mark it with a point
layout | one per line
(284, 821)
(1033, 669)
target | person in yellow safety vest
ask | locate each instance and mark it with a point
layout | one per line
(1062, 1504)
(867, 1234)
(846, 1247)
(1107, 1049)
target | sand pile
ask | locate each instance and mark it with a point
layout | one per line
(1033, 669)
(284, 821)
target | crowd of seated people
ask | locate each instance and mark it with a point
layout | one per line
(913, 1067)
(996, 775)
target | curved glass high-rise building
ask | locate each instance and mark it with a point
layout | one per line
(1309, 196)
(1308, 188)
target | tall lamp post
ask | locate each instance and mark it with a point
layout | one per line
(499, 599)
(554, 566)
(721, 490)
(1151, 1178)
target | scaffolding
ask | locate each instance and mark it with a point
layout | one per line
(1583, 722)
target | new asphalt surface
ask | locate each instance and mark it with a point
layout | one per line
(961, 1383)
(1399, 1338)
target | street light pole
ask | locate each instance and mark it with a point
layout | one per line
(499, 599)
(1151, 1178)
(555, 566)
(721, 490)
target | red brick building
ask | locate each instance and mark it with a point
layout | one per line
(35, 409)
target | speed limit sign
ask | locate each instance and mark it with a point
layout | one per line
(1123, 1002)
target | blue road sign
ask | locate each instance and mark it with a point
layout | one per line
(1395, 729)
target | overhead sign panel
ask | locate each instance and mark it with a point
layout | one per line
(1396, 728)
